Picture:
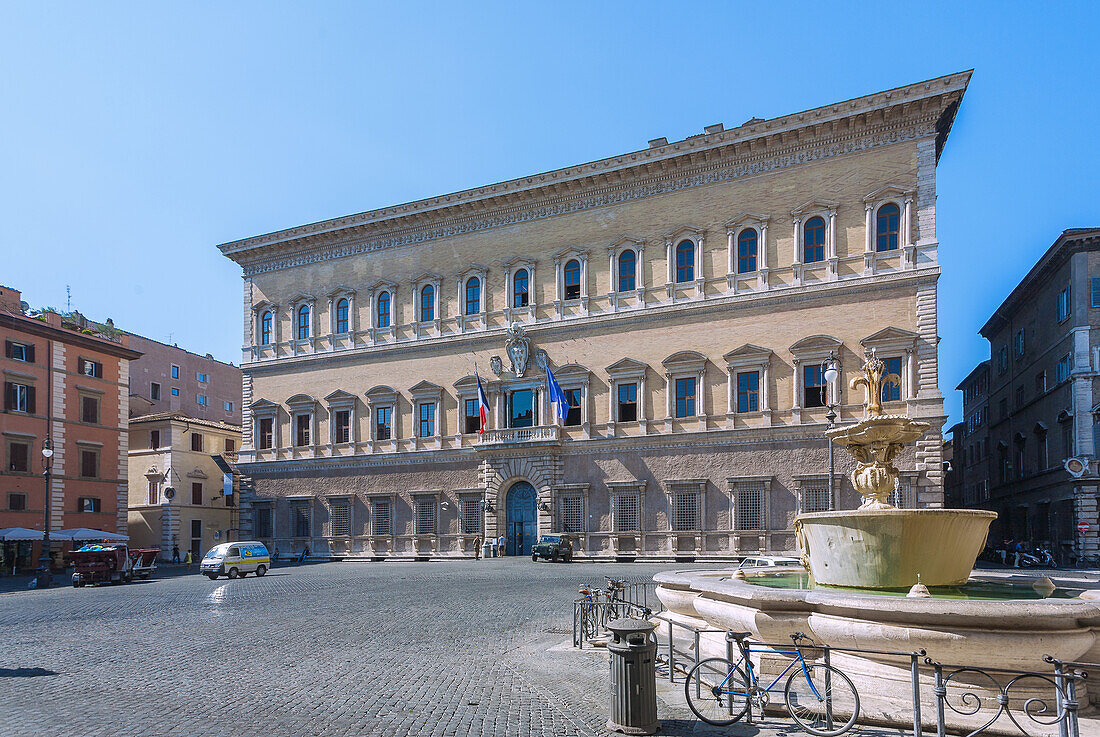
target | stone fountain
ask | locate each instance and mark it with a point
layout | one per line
(861, 563)
(879, 546)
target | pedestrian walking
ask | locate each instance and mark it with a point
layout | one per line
(188, 560)
(176, 554)
(500, 546)
(477, 548)
(275, 557)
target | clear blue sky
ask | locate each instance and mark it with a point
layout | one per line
(135, 137)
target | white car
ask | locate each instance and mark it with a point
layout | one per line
(769, 561)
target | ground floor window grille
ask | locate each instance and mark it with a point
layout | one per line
(572, 514)
(262, 526)
(748, 506)
(626, 512)
(815, 498)
(381, 520)
(471, 516)
(685, 510)
(425, 517)
(902, 496)
(301, 520)
(341, 518)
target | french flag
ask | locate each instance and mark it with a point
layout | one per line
(483, 404)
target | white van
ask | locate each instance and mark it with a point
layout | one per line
(236, 559)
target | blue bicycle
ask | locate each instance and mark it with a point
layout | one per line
(820, 698)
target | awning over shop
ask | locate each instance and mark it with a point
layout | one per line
(17, 534)
(85, 533)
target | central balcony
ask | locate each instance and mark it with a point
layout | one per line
(521, 435)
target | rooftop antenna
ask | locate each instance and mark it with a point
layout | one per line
(68, 298)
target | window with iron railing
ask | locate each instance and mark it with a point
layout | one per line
(340, 512)
(572, 514)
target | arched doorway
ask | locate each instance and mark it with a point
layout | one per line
(520, 519)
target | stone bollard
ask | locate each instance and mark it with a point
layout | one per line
(633, 679)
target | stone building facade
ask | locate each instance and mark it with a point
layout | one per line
(179, 491)
(64, 380)
(168, 378)
(685, 297)
(1033, 458)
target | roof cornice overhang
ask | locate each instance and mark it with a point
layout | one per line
(1075, 240)
(918, 110)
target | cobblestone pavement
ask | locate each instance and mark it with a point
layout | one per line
(448, 648)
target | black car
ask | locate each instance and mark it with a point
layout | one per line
(553, 547)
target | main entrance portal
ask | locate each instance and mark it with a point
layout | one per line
(521, 518)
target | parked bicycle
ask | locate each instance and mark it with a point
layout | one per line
(615, 607)
(820, 698)
(589, 611)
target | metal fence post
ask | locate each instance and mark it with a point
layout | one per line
(575, 624)
(671, 656)
(914, 667)
(941, 695)
(697, 648)
(828, 691)
(1060, 700)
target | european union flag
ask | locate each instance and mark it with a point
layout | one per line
(557, 396)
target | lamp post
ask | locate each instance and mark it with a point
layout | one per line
(486, 509)
(830, 370)
(44, 575)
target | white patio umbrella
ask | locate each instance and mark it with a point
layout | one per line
(86, 533)
(17, 534)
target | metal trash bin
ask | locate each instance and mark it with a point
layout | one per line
(633, 650)
(488, 549)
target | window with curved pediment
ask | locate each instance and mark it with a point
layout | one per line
(520, 289)
(685, 262)
(342, 316)
(473, 296)
(888, 226)
(303, 322)
(813, 240)
(427, 303)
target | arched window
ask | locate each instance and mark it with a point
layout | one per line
(685, 262)
(303, 322)
(473, 296)
(519, 289)
(627, 266)
(889, 219)
(383, 317)
(265, 328)
(427, 303)
(746, 251)
(342, 316)
(813, 240)
(573, 279)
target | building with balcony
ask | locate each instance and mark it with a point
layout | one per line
(64, 380)
(183, 484)
(1030, 412)
(684, 295)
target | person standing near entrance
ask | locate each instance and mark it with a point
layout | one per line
(500, 546)
(477, 548)
(188, 560)
(176, 554)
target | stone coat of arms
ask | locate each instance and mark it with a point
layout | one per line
(518, 347)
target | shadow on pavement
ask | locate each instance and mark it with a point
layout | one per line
(25, 672)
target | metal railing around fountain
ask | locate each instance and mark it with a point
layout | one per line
(592, 612)
(952, 695)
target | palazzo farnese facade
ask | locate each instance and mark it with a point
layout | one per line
(685, 297)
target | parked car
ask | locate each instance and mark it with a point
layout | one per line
(236, 559)
(553, 547)
(769, 561)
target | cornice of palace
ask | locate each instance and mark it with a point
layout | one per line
(881, 119)
(543, 330)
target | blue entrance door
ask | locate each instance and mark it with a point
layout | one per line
(520, 511)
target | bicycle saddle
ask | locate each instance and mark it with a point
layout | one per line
(738, 635)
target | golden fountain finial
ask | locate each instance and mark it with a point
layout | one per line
(873, 379)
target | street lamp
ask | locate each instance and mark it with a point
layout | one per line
(830, 371)
(44, 575)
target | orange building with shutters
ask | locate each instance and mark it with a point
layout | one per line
(64, 379)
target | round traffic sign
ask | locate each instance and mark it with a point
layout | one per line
(1083, 527)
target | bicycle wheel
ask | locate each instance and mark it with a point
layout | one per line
(589, 625)
(822, 700)
(717, 692)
